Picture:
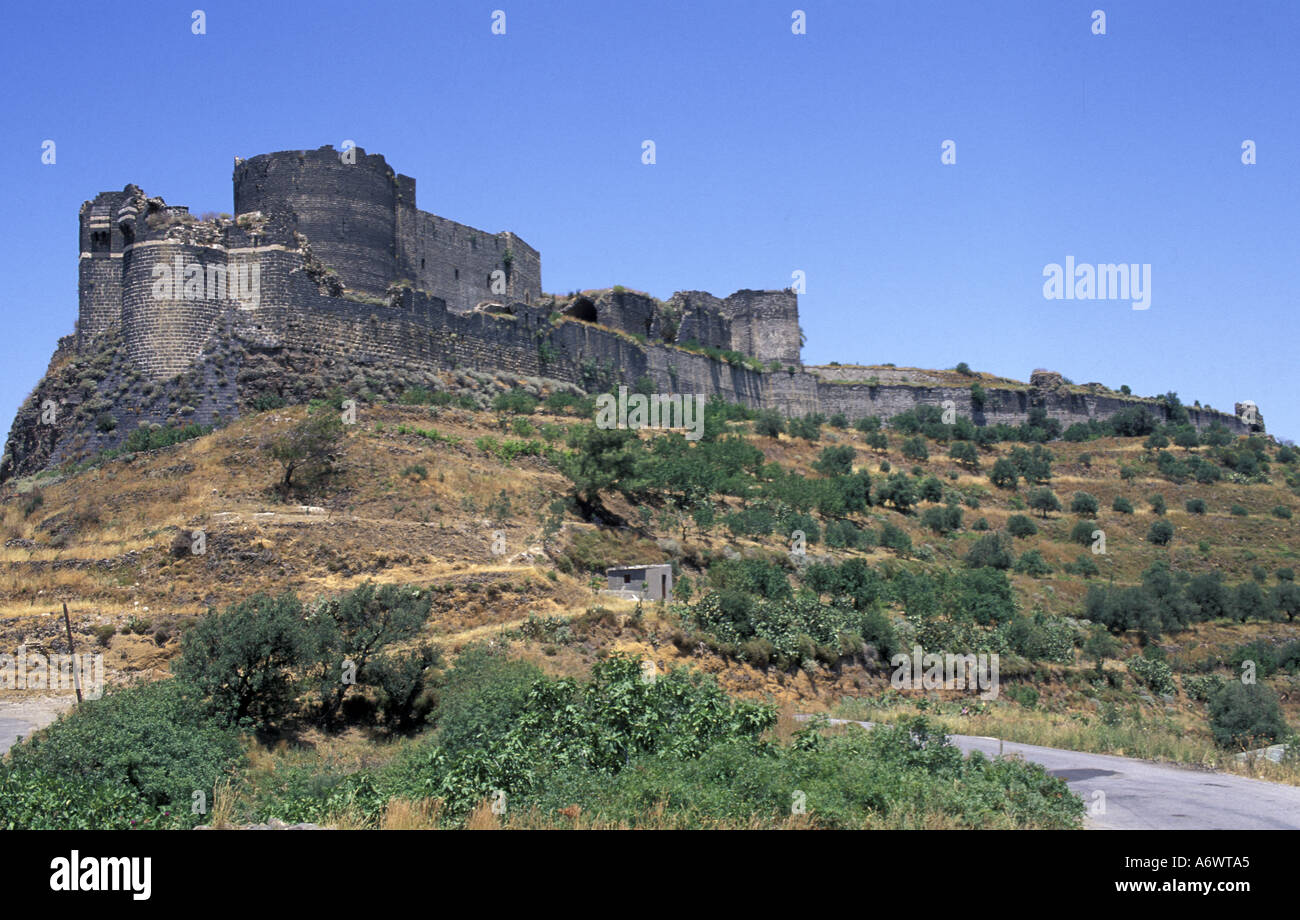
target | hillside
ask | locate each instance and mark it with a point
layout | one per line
(419, 494)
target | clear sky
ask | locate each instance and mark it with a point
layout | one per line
(775, 152)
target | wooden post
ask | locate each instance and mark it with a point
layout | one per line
(76, 672)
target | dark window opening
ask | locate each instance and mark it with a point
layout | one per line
(457, 274)
(583, 308)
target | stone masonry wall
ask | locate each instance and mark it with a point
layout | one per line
(347, 211)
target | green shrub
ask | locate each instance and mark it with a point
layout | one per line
(33, 501)
(268, 401)
(915, 449)
(1161, 533)
(1085, 504)
(1153, 674)
(1033, 563)
(835, 461)
(894, 537)
(769, 423)
(1122, 505)
(244, 661)
(1244, 716)
(518, 402)
(1018, 525)
(153, 740)
(1044, 501)
(1203, 686)
(809, 427)
(989, 551)
(1082, 532)
(942, 519)
(1082, 565)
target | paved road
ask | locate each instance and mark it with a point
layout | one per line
(1141, 795)
(10, 729)
(22, 717)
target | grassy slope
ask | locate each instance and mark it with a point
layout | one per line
(100, 540)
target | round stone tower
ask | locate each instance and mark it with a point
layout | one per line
(345, 203)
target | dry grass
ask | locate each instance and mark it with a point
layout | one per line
(406, 815)
(223, 805)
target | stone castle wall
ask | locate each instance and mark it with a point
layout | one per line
(362, 221)
(329, 238)
(347, 211)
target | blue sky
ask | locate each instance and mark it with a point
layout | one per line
(775, 153)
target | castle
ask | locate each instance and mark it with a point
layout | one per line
(329, 271)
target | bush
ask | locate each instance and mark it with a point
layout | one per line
(37, 800)
(1085, 504)
(1195, 506)
(1161, 533)
(267, 401)
(243, 661)
(965, 453)
(1033, 563)
(809, 427)
(1122, 505)
(895, 538)
(835, 461)
(930, 489)
(989, 551)
(1003, 475)
(942, 519)
(1283, 512)
(33, 501)
(1083, 565)
(1244, 716)
(1202, 687)
(518, 402)
(1040, 638)
(1019, 525)
(484, 692)
(769, 423)
(152, 740)
(1238, 511)
(915, 449)
(359, 626)
(1153, 674)
(1082, 532)
(1157, 503)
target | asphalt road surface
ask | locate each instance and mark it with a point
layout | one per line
(22, 717)
(1141, 795)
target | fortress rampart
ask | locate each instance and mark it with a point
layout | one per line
(327, 262)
